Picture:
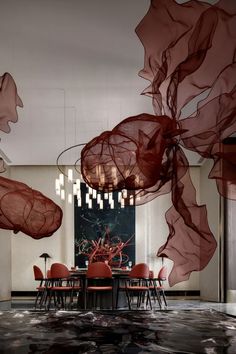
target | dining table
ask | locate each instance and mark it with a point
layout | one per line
(119, 275)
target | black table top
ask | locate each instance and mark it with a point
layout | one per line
(115, 271)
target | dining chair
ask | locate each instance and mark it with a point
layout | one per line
(38, 276)
(62, 284)
(159, 284)
(138, 285)
(153, 288)
(98, 281)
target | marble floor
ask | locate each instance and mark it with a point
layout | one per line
(186, 326)
(27, 303)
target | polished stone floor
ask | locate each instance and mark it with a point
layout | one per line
(184, 327)
(176, 304)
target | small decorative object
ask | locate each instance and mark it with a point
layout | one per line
(45, 256)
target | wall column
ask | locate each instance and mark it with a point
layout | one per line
(5, 265)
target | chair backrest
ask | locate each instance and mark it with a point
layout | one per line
(59, 270)
(38, 274)
(49, 274)
(99, 270)
(139, 271)
(162, 274)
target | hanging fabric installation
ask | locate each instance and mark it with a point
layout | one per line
(190, 63)
(21, 207)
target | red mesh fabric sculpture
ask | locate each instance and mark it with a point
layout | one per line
(190, 63)
(9, 100)
(27, 210)
(2, 165)
(22, 208)
(195, 56)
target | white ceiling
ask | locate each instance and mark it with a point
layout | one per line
(76, 64)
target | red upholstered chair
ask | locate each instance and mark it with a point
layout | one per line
(161, 277)
(98, 281)
(38, 276)
(62, 284)
(48, 284)
(152, 286)
(138, 285)
(49, 274)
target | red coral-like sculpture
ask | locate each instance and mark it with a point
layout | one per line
(190, 63)
(109, 251)
(27, 210)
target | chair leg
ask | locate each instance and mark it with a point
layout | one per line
(164, 297)
(36, 300)
(157, 294)
(43, 299)
(63, 300)
(139, 299)
(149, 298)
(128, 298)
(49, 300)
(159, 299)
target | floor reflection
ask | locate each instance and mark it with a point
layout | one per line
(168, 331)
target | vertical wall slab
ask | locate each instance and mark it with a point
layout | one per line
(230, 250)
(5, 265)
(230, 225)
(26, 250)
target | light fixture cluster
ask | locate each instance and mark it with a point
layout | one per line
(88, 197)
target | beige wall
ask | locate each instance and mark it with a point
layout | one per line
(26, 250)
(151, 233)
(5, 262)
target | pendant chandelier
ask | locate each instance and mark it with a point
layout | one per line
(88, 197)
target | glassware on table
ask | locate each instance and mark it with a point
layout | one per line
(130, 264)
(86, 264)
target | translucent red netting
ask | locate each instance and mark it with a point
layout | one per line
(21, 207)
(190, 63)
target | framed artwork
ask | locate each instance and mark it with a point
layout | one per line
(106, 234)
